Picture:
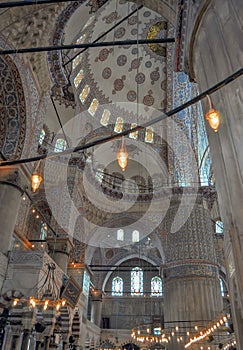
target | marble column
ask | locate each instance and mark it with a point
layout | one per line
(191, 280)
(96, 306)
(10, 198)
(59, 250)
(216, 52)
(25, 340)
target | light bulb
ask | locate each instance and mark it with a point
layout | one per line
(122, 156)
(213, 117)
(36, 180)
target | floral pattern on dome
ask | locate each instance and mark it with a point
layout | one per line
(138, 73)
(121, 60)
(120, 32)
(106, 74)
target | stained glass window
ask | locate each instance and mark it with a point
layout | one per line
(117, 286)
(44, 230)
(60, 145)
(105, 117)
(86, 283)
(93, 106)
(149, 135)
(81, 39)
(78, 78)
(84, 93)
(219, 227)
(135, 236)
(120, 235)
(137, 281)
(134, 134)
(156, 286)
(42, 136)
(119, 125)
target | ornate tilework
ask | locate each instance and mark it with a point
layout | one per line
(13, 109)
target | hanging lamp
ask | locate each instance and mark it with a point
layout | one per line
(36, 178)
(122, 155)
(212, 116)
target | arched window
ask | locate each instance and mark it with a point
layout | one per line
(60, 145)
(93, 106)
(105, 117)
(222, 287)
(119, 125)
(156, 286)
(117, 286)
(135, 236)
(219, 226)
(42, 136)
(134, 134)
(44, 230)
(120, 234)
(149, 134)
(137, 281)
(78, 78)
(84, 93)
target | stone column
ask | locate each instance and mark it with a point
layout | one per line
(10, 198)
(25, 340)
(20, 340)
(96, 306)
(216, 52)
(59, 250)
(11, 183)
(191, 280)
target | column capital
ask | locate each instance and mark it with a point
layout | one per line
(59, 244)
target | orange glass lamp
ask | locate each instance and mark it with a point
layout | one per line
(36, 178)
(122, 156)
(212, 116)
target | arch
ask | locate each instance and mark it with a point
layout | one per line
(120, 261)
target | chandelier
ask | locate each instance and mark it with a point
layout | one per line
(148, 333)
(48, 294)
